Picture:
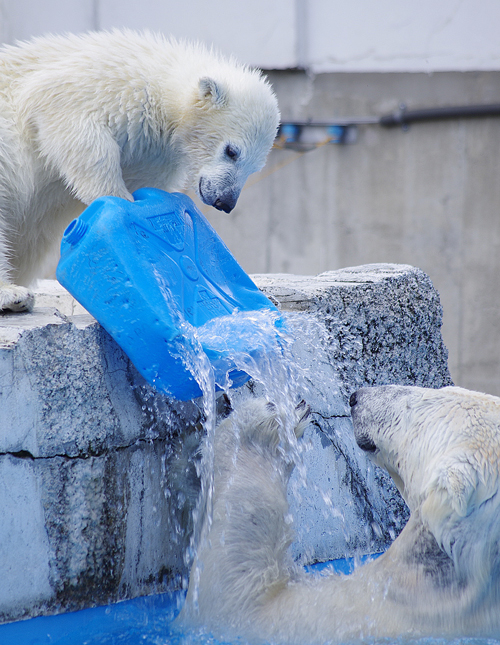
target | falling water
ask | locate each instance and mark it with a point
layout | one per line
(261, 345)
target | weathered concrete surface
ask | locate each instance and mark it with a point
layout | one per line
(97, 479)
(380, 325)
(382, 321)
(89, 459)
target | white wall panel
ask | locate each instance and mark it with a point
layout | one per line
(22, 19)
(257, 32)
(324, 35)
(403, 35)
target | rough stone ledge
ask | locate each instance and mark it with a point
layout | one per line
(383, 322)
(67, 389)
(97, 476)
(302, 292)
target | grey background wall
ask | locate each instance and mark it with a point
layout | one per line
(428, 197)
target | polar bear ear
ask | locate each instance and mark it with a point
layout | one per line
(212, 91)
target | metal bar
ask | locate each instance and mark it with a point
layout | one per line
(404, 116)
(362, 120)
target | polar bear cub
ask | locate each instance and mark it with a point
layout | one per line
(100, 114)
(441, 576)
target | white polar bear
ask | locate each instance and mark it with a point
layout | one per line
(100, 114)
(440, 577)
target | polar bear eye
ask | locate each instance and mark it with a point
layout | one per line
(232, 152)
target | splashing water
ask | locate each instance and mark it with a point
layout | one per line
(259, 344)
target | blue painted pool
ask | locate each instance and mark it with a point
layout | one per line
(148, 621)
(142, 621)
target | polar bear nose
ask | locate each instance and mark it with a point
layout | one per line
(226, 206)
(353, 399)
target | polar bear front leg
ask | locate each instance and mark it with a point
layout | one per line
(14, 298)
(243, 555)
(86, 156)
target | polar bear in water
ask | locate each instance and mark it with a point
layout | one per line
(441, 576)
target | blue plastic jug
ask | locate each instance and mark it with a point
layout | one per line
(144, 269)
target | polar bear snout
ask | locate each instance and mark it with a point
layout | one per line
(361, 434)
(221, 198)
(365, 443)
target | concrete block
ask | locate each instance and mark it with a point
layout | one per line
(374, 325)
(90, 493)
(98, 472)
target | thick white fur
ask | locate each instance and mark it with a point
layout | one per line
(440, 576)
(106, 113)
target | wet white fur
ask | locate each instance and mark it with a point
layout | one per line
(107, 113)
(439, 578)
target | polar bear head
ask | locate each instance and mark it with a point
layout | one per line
(229, 125)
(442, 448)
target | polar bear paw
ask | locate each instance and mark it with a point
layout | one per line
(261, 423)
(15, 299)
(302, 414)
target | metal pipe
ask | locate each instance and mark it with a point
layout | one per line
(343, 121)
(405, 117)
(343, 130)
